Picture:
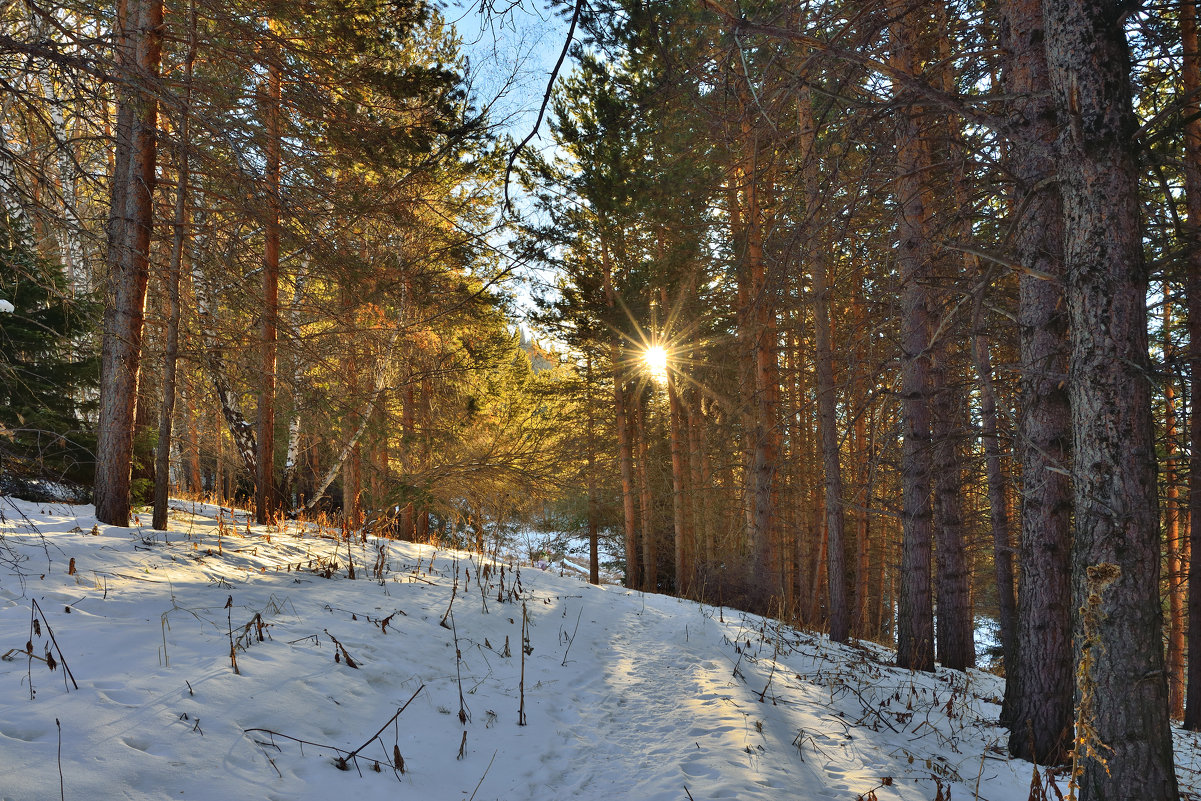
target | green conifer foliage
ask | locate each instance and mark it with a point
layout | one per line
(48, 369)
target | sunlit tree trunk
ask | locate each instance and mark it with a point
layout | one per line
(681, 508)
(71, 250)
(408, 429)
(10, 189)
(625, 448)
(1191, 112)
(162, 459)
(1116, 554)
(191, 435)
(240, 428)
(264, 497)
(650, 540)
(131, 222)
(292, 453)
(1172, 537)
(757, 336)
(590, 477)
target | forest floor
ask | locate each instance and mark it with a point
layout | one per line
(626, 695)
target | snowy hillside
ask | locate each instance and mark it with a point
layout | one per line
(626, 695)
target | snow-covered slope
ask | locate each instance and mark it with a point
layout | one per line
(626, 695)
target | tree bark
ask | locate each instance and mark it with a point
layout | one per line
(1172, 537)
(590, 477)
(701, 482)
(131, 225)
(264, 497)
(625, 449)
(292, 453)
(190, 455)
(836, 578)
(998, 509)
(10, 189)
(1038, 700)
(757, 332)
(1116, 556)
(162, 457)
(915, 619)
(1038, 704)
(650, 542)
(71, 250)
(954, 632)
(1191, 112)
(680, 490)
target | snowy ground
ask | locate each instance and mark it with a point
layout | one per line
(627, 696)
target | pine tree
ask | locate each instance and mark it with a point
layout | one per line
(48, 369)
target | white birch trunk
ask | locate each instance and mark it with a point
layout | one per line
(336, 467)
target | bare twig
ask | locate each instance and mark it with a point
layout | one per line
(464, 713)
(229, 618)
(481, 781)
(571, 639)
(340, 651)
(521, 685)
(61, 657)
(344, 756)
(62, 790)
(550, 85)
(386, 725)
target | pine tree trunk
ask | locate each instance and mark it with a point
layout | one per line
(1192, 187)
(1171, 520)
(590, 471)
(836, 579)
(264, 496)
(681, 508)
(861, 455)
(162, 459)
(408, 428)
(915, 620)
(1116, 555)
(700, 481)
(998, 509)
(625, 448)
(757, 336)
(191, 459)
(955, 645)
(650, 542)
(1038, 701)
(131, 224)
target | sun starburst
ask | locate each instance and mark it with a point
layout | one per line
(655, 358)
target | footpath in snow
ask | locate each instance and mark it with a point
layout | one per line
(626, 695)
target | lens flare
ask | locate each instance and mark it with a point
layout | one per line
(656, 361)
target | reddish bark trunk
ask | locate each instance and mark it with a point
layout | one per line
(1191, 112)
(162, 457)
(131, 225)
(264, 498)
